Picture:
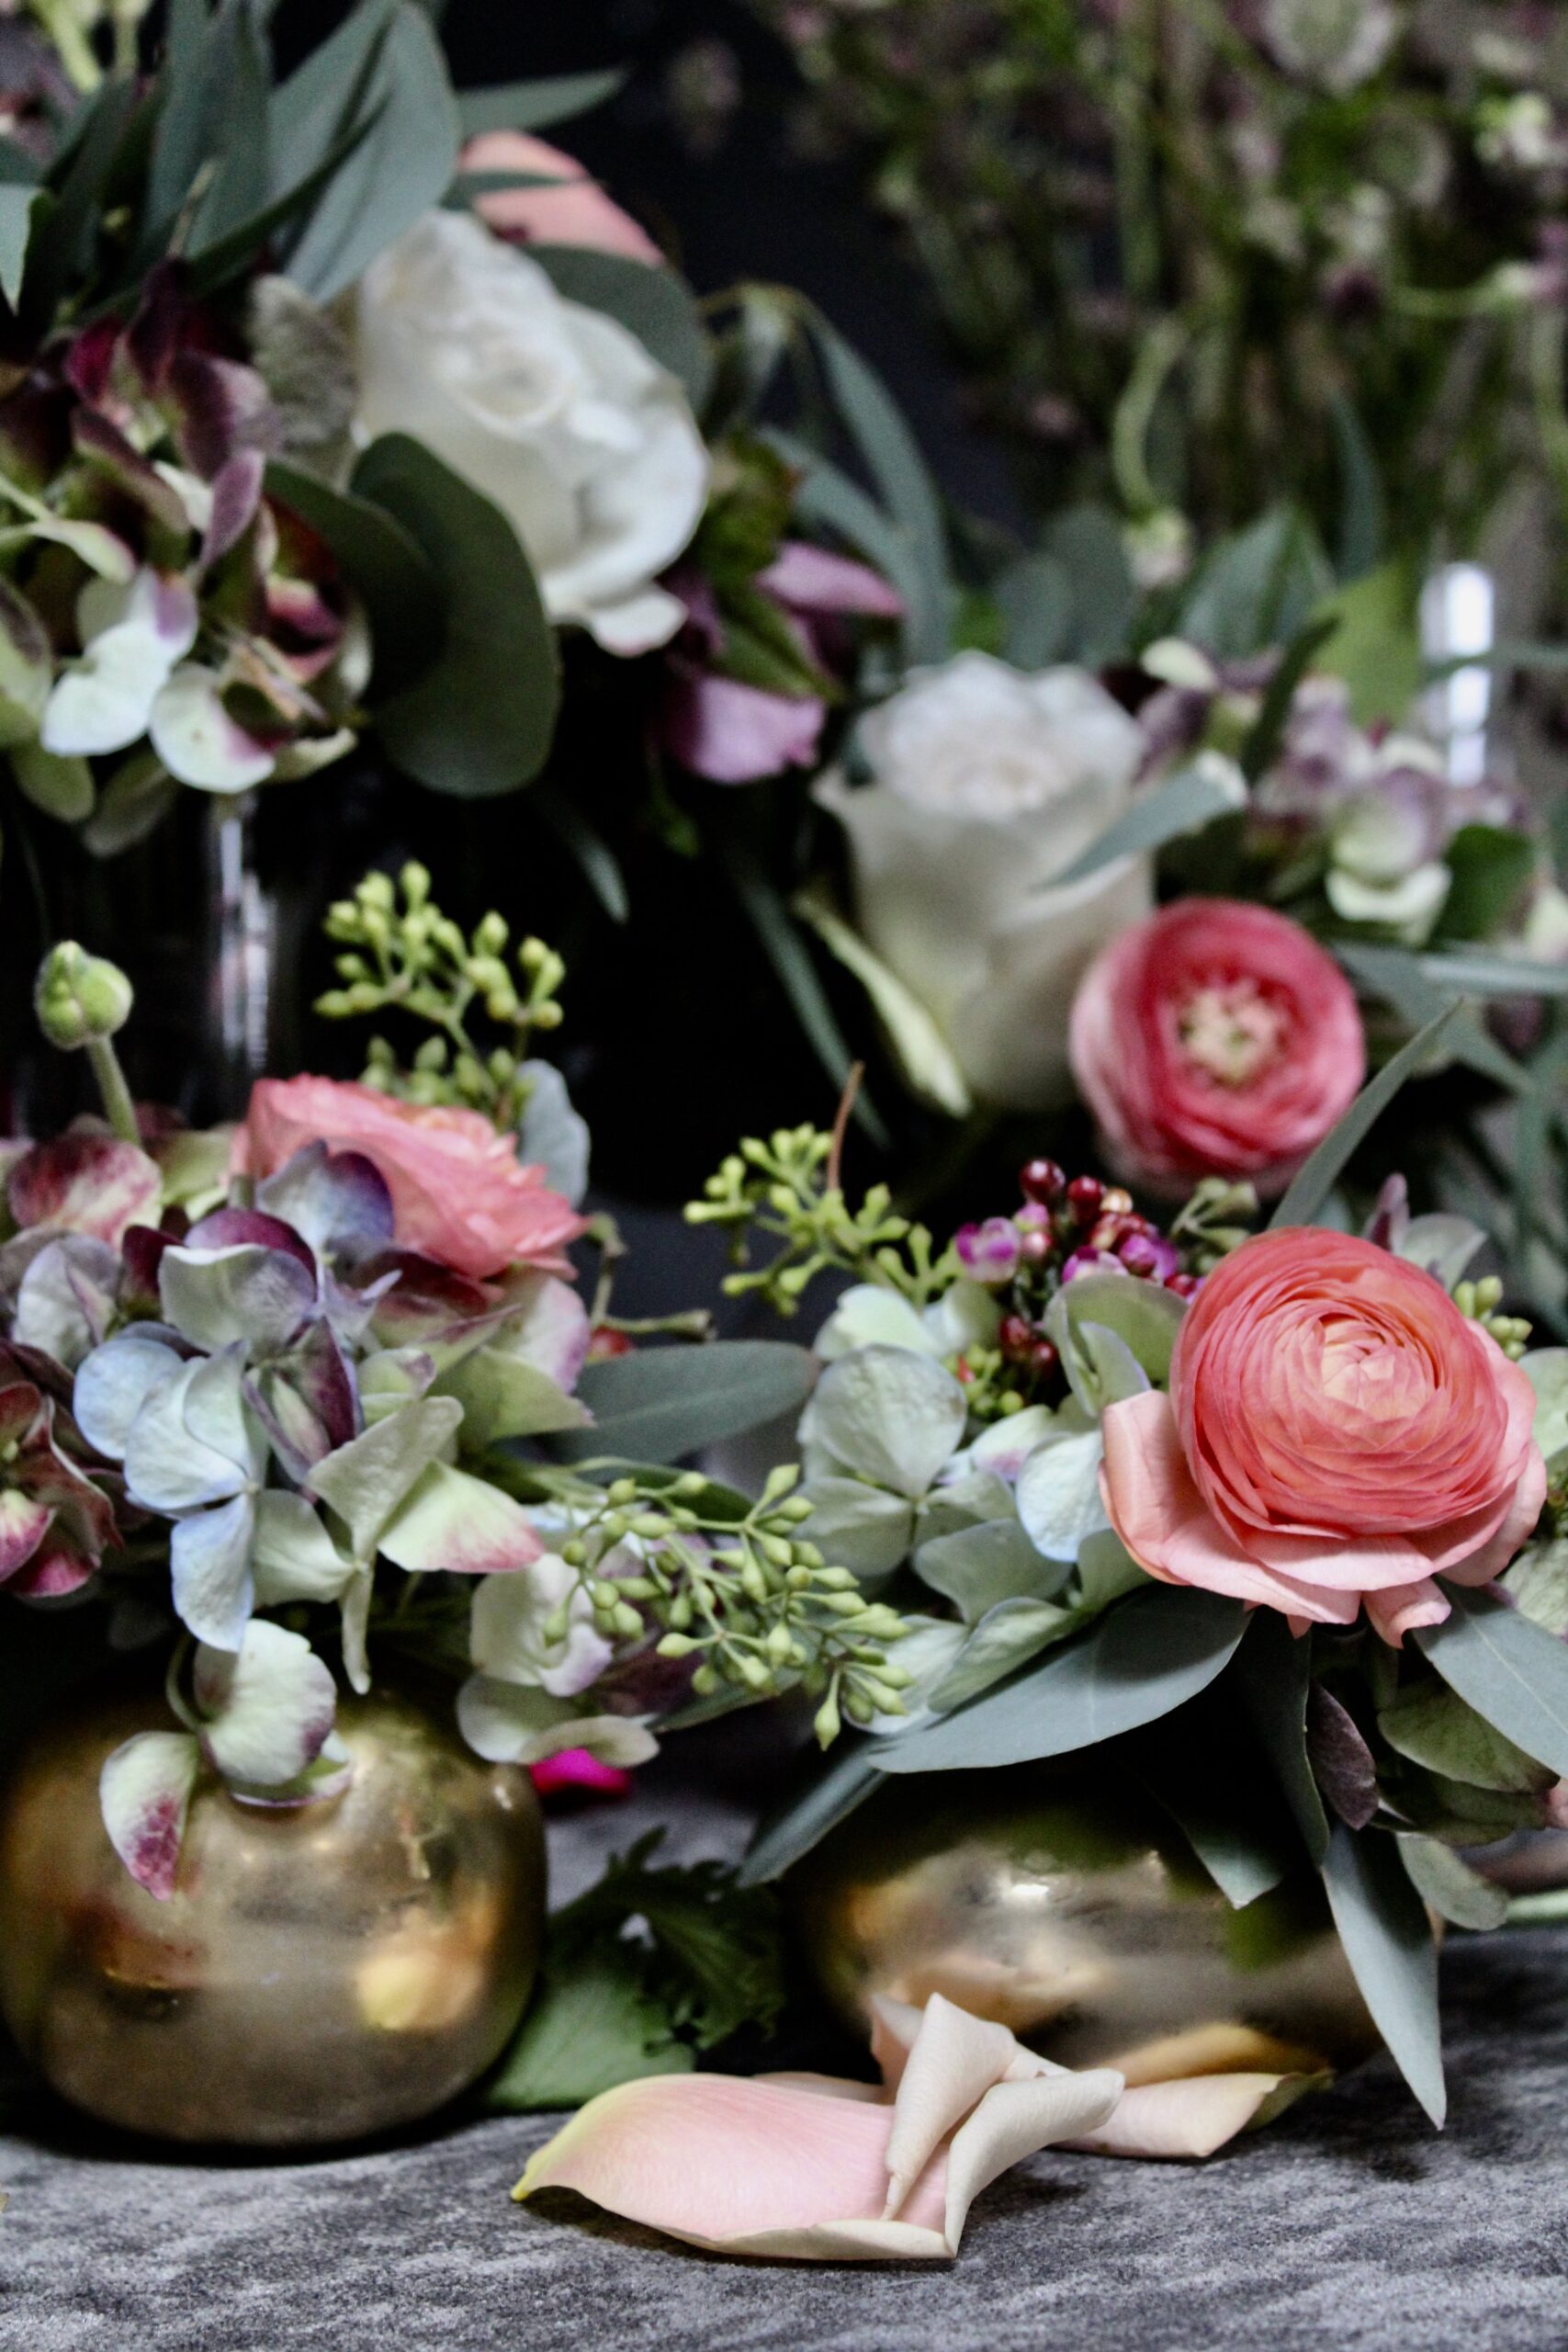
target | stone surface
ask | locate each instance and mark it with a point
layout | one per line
(1349, 2223)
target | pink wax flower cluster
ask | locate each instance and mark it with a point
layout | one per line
(460, 1195)
(1336, 1434)
(1219, 1038)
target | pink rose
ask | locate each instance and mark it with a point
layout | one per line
(1336, 1432)
(1216, 1038)
(578, 212)
(459, 1193)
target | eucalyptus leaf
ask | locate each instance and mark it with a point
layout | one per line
(806, 1816)
(1140, 1660)
(1257, 588)
(654, 304)
(1512, 1672)
(1405, 982)
(399, 171)
(385, 564)
(1314, 1181)
(1035, 595)
(1474, 972)
(1272, 1677)
(19, 207)
(1087, 541)
(1007, 1637)
(595, 859)
(1546, 1369)
(534, 104)
(479, 719)
(1245, 1845)
(1382, 1925)
(1433, 1725)
(825, 496)
(1538, 1584)
(1455, 1892)
(662, 1403)
(1182, 804)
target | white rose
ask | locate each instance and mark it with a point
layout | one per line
(556, 413)
(987, 782)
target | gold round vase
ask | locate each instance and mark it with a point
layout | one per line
(1059, 1900)
(321, 1972)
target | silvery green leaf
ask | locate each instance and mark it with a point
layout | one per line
(661, 1404)
(552, 1135)
(210, 1561)
(1106, 1569)
(979, 1567)
(1006, 1637)
(806, 1815)
(1137, 1662)
(861, 1528)
(1058, 1493)
(294, 1556)
(1445, 1245)
(114, 1383)
(1446, 1881)
(926, 1061)
(356, 1626)
(1511, 1671)
(1432, 1725)
(1538, 1584)
(1546, 1369)
(888, 1415)
(1145, 1316)
(215, 1296)
(1271, 1678)
(869, 1316)
(1382, 1925)
(269, 1709)
(365, 1481)
(1311, 1186)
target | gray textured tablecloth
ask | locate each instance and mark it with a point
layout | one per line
(1349, 2223)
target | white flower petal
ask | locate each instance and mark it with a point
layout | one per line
(145, 1792)
(209, 1562)
(197, 740)
(269, 1709)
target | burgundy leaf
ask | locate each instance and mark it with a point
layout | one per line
(105, 447)
(1341, 1760)
(235, 1228)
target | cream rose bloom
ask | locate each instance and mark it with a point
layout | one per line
(555, 411)
(987, 783)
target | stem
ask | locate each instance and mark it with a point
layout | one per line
(118, 1108)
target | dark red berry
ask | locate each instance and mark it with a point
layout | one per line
(1085, 1195)
(1044, 1358)
(1041, 1180)
(1182, 1284)
(1017, 1336)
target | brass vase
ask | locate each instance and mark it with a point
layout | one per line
(1061, 1901)
(322, 1972)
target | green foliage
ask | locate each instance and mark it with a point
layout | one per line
(785, 1187)
(653, 1964)
(400, 953)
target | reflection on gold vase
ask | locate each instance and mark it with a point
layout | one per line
(322, 1972)
(1059, 1900)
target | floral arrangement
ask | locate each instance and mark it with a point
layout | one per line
(282, 1394)
(1193, 263)
(1130, 1489)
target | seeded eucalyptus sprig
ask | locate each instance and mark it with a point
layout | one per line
(751, 1597)
(787, 1187)
(400, 953)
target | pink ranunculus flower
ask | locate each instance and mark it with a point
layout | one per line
(1216, 1038)
(459, 1193)
(1337, 1433)
(576, 212)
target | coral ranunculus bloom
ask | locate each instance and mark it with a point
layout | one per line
(1216, 1038)
(459, 1193)
(1336, 1432)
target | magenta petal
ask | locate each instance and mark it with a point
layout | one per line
(24, 1524)
(574, 1769)
(231, 1228)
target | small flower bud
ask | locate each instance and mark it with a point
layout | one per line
(79, 1000)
